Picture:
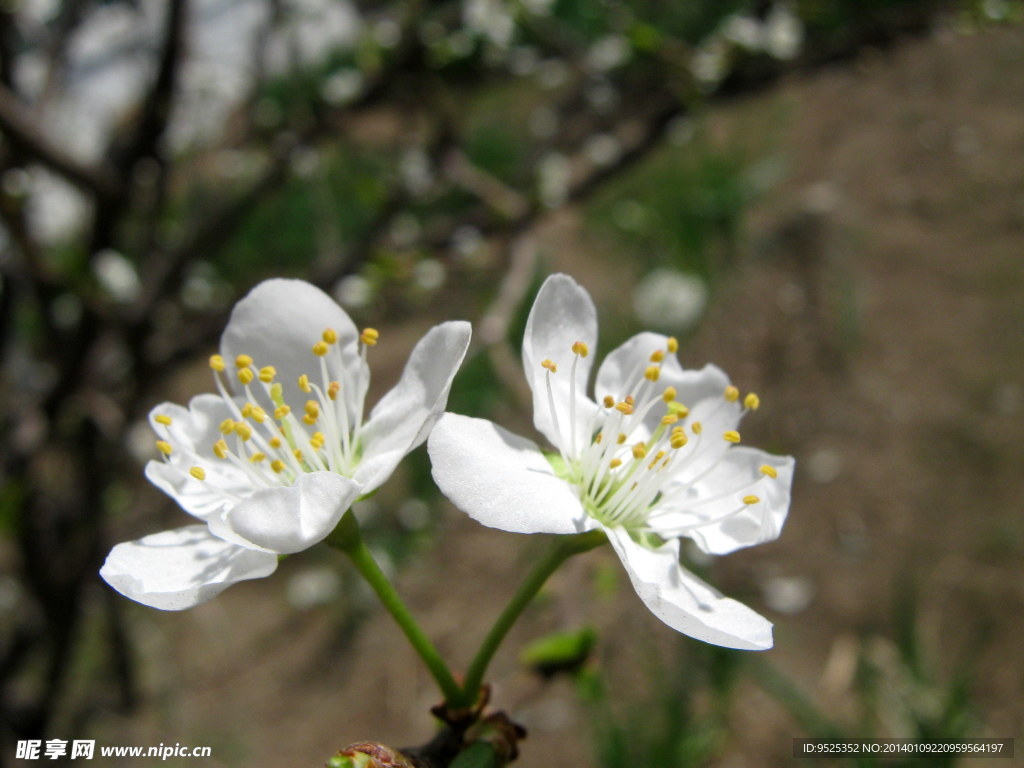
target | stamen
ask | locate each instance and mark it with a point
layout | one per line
(652, 373)
(669, 394)
(198, 473)
(672, 345)
(220, 449)
(657, 356)
(275, 442)
(621, 438)
(217, 363)
(696, 427)
(281, 412)
(369, 336)
(321, 348)
(580, 349)
(164, 447)
(267, 374)
(769, 471)
(245, 375)
(732, 394)
(304, 384)
(639, 451)
(732, 436)
(277, 465)
(549, 365)
(752, 402)
(751, 499)
(243, 361)
(243, 430)
(624, 407)
(615, 463)
(332, 390)
(258, 458)
(608, 401)
(330, 336)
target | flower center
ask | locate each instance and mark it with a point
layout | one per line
(272, 442)
(646, 447)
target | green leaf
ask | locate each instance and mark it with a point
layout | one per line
(560, 651)
(480, 754)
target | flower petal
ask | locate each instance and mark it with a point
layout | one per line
(686, 603)
(500, 479)
(562, 314)
(278, 323)
(288, 519)
(404, 416)
(192, 433)
(712, 512)
(181, 568)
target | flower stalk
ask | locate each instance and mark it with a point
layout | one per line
(348, 539)
(561, 550)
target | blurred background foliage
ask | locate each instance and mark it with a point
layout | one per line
(158, 159)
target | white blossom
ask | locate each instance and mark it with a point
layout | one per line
(270, 463)
(653, 459)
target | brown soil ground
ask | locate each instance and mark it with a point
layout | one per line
(879, 312)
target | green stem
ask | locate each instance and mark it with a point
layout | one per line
(349, 540)
(564, 548)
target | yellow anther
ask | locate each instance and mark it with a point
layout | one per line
(732, 436)
(669, 394)
(220, 448)
(639, 451)
(678, 440)
(752, 402)
(580, 349)
(258, 414)
(599, 438)
(277, 392)
(608, 401)
(696, 427)
(162, 419)
(549, 365)
(330, 336)
(281, 412)
(227, 426)
(312, 407)
(769, 471)
(258, 458)
(245, 375)
(247, 410)
(164, 447)
(298, 454)
(669, 418)
(629, 400)
(621, 438)
(243, 430)
(657, 356)
(310, 420)
(320, 348)
(732, 394)
(274, 442)
(217, 363)
(615, 463)
(657, 457)
(243, 361)
(267, 373)
(751, 499)
(198, 473)
(304, 383)
(319, 437)
(369, 336)
(624, 407)
(277, 465)
(678, 409)
(672, 345)
(333, 389)
(652, 373)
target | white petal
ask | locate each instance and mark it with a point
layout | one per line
(406, 414)
(178, 569)
(725, 523)
(192, 433)
(686, 603)
(288, 519)
(278, 323)
(500, 479)
(562, 314)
